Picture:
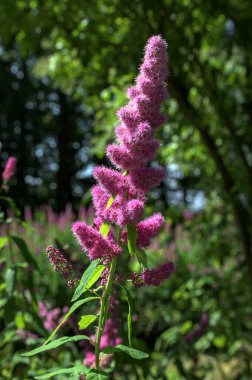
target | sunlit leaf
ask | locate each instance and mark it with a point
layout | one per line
(94, 374)
(86, 320)
(110, 202)
(86, 277)
(135, 354)
(3, 241)
(104, 229)
(71, 371)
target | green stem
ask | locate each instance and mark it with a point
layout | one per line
(103, 311)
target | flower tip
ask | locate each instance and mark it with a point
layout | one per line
(157, 40)
(77, 227)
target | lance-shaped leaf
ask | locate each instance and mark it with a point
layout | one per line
(131, 236)
(56, 343)
(104, 229)
(95, 374)
(75, 306)
(71, 371)
(135, 354)
(10, 278)
(86, 277)
(86, 320)
(110, 202)
(131, 305)
(141, 257)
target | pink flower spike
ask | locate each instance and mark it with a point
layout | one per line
(133, 211)
(93, 242)
(144, 131)
(10, 169)
(132, 92)
(148, 229)
(113, 181)
(155, 47)
(155, 276)
(144, 179)
(100, 198)
(120, 156)
(122, 133)
(128, 117)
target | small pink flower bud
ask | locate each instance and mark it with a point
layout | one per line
(10, 169)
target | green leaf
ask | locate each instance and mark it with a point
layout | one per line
(75, 306)
(220, 341)
(96, 275)
(12, 205)
(3, 241)
(131, 306)
(94, 374)
(131, 235)
(135, 354)
(141, 257)
(187, 326)
(104, 229)
(56, 343)
(10, 277)
(22, 246)
(86, 320)
(110, 202)
(72, 371)
(87, 275)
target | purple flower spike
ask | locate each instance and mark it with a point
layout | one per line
(94, 243)
(155, 276)
(120, 194)
(10, 169)
(149, 228)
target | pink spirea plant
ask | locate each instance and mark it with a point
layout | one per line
(10, 169)
(136, 146)
(121, 192)
(119, 198)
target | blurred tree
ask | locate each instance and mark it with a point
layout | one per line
(88, 52)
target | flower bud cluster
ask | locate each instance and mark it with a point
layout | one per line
(61, 265)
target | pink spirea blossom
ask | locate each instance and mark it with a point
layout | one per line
(148, 229)
(114, 182)
(155, 276)
(136, 143)
(93, 242)
(120, 195)
(10, 169)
